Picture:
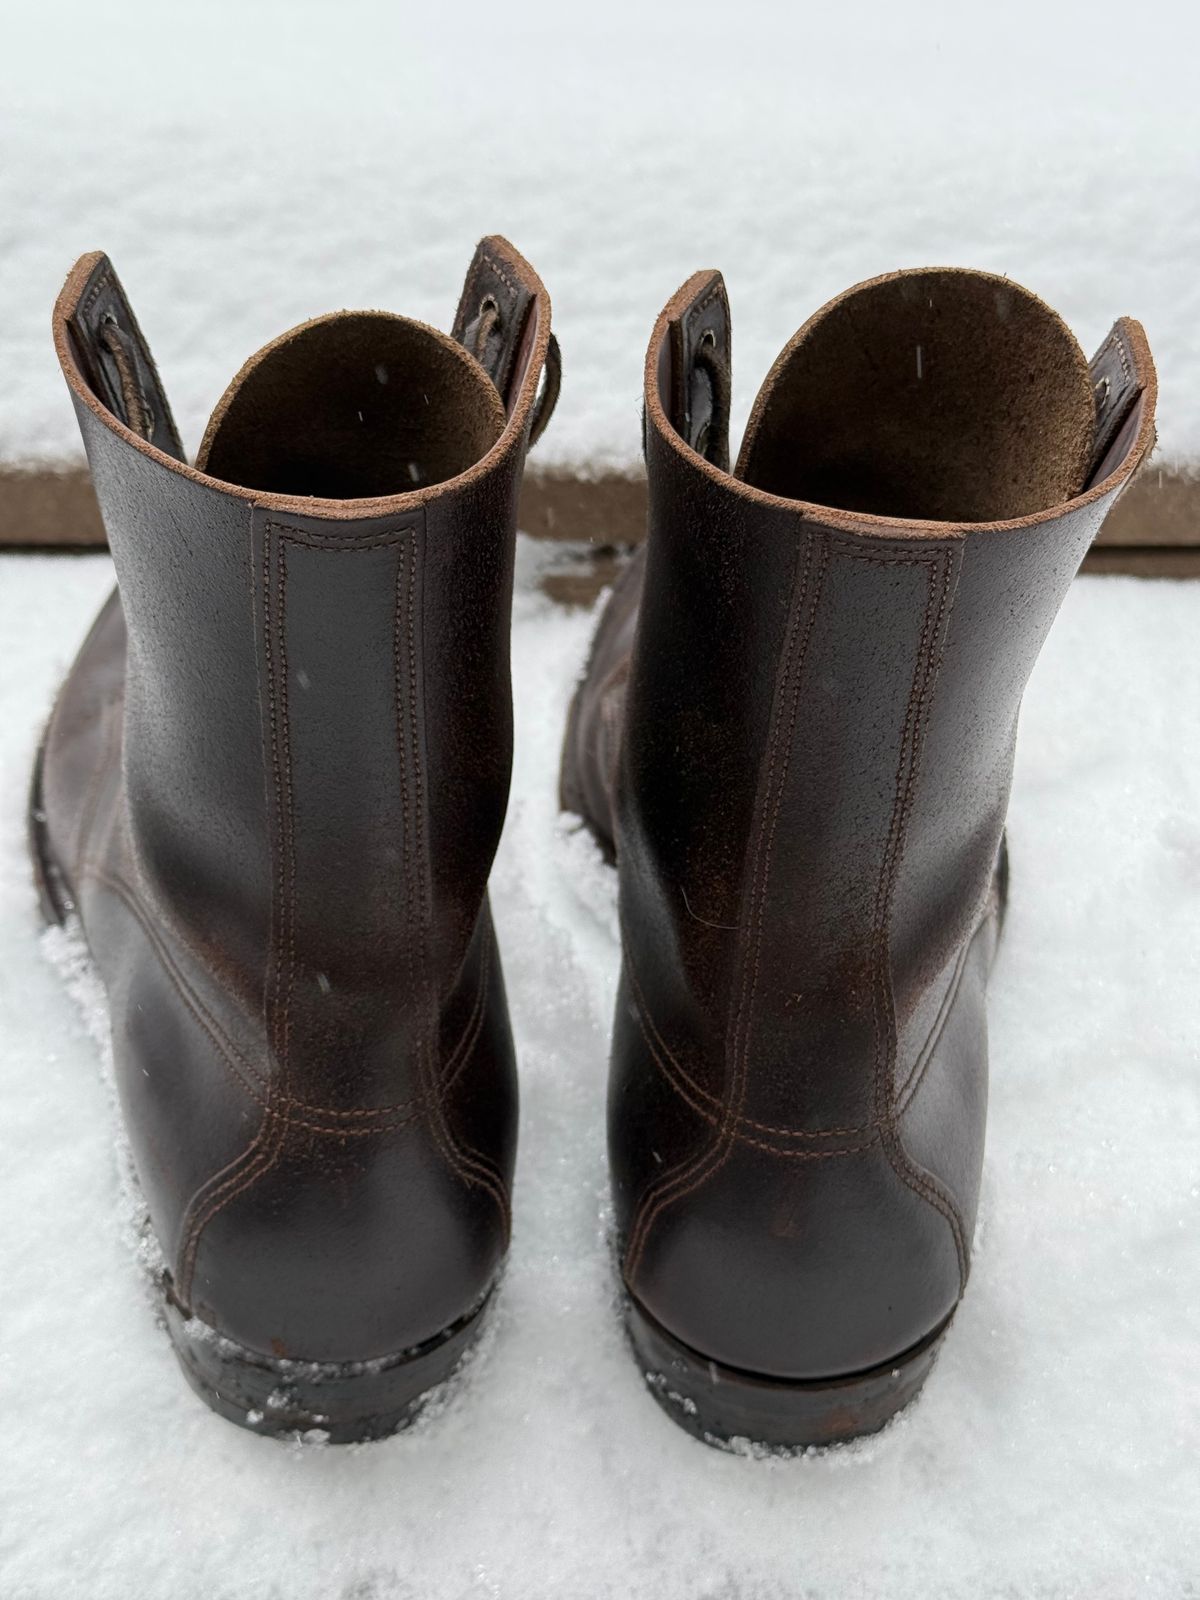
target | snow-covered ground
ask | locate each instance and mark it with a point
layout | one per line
(1056, 1451)
(249, 163)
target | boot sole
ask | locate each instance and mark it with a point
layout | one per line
(347, 1402)
(344, 1402)
(746, 1411)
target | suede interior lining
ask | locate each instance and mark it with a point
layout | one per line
(936, 395)
(351, 406)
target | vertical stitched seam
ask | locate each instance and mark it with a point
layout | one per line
(470, 1167)
(263, 1150)
(806, 595)
(254, 1161)
(687, 1086)
(916, 716)
(289, 834)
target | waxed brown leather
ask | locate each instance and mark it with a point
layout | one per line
(273, 786)
(796, 732)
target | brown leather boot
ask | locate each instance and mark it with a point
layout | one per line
(271, 789)
(802, 762)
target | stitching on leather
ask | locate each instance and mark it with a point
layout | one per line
(888, 561)
(499, 271)
(509, 332)
(925, 1054)
(94, 293)
(695, 1094)
(279, 1024)
(748, 1139)
(470, 1166)
(460, 1155)
(235, 1058)
(713, 1157)
(230, 1054)
(279, 1109)
(150, 913)
(688, 1174)
(1115, 339)
(253, 1162)
(457, 1058)
(689, 1087)
(916, 720)
(289, 838)
(260, 1162)
(471, 293)
(917, 1179)
(696, 1170)
(188, 1228)
(244, 1171)
(909, 1090)
(700, 306)
(84, 310)
(336, 543)
(692, 313)
(95, 873)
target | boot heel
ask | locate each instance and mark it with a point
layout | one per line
(338, 1402)
(728, 1408)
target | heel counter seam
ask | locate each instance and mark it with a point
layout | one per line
(943, 567)
(470, 1165)
(811, 564)
(942, 563)
(262, 1153)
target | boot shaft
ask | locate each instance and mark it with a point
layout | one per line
(822, 703)
(350, 521)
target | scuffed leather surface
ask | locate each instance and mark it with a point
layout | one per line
(274, 782)
(798, 737)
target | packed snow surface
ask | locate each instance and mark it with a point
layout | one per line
(1056, 1450)
(250, 163)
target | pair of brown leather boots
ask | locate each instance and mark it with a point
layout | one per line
(275, 779)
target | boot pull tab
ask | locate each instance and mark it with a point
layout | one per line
(494, 323)
(1116, 385)
(701, 347)
(117, 362)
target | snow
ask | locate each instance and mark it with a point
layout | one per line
(250, 163)
(1056, 1450)
(255, 162)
